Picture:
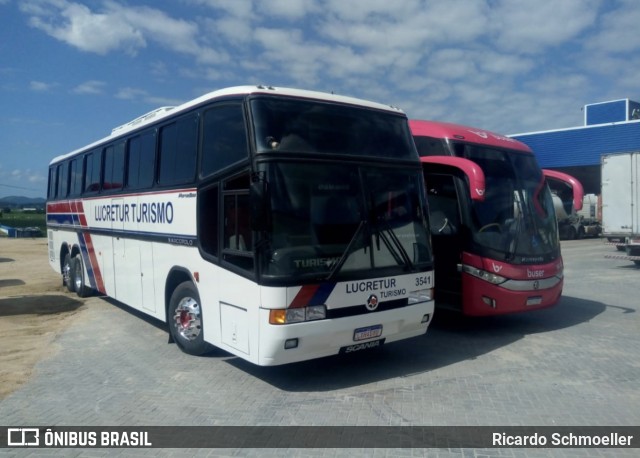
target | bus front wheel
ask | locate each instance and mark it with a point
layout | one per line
(185, 319)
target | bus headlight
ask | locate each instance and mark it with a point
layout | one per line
(483, 274)
(298, 314)
(316, 312)
(423, 295)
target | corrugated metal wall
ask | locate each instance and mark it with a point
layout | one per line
(582, 146)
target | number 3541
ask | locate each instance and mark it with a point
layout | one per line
(424, 280)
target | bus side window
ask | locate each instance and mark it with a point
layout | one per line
(141, 161)
(444, 215)
(92, 171)
(53, 184)
(113, 167)
(75, 180)
(178, 147)
(224, 140)
(237, 235)
(63, 180)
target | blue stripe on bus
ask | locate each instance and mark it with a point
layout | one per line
(322, 294)
(63, 219)
(160, 236)
(87, 260)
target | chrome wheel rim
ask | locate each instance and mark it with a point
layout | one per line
(78, 276)
(66, 274)
(187, 319)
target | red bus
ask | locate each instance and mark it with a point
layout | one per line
(493, 224)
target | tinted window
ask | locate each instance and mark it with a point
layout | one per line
(92, 172)
(208, 219)
(63, 180)
(52, 182)
(113, 167)
(178, 143)
(224, 140)
(75, 183)
(301, 126)
(429, 146)
(142, 158)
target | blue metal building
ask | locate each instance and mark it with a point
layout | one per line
(609, 127)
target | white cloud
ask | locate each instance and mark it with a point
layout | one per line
(130, 93)
(40, 86)
(619, 32)
(76, 25)
(288, 9)
(90, 87)
(531, 27)
(28, 175)
(117, 27)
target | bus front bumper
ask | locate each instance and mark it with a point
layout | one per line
(288, 343)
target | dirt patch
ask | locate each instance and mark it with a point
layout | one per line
(34, 309)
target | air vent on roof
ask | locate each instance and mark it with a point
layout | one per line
(141, 119)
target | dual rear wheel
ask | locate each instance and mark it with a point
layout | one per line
(73, 276)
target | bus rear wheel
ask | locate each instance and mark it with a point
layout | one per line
(185, 319)
(67, 274)
(78, 278)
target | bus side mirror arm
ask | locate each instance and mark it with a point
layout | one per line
(576, 186)
(473, 172)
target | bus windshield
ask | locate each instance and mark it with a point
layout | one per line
(343, 221)
(300, 126)
(517, 217)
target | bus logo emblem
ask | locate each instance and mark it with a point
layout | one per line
(372, 303)
(536, 284)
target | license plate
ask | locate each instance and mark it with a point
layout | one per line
(537, 300)
(367, 333)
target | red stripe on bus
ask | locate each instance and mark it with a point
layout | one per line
(94, 263)
(304, 296)
(59, 207)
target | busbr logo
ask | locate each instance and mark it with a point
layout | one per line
(23, 437)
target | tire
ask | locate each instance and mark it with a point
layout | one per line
(67, 274)
(572, 234)
(78, 277)
(185, 320)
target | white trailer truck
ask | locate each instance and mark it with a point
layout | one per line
(621, 203)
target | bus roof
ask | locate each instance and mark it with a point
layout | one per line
(163, 112)
(470, 134)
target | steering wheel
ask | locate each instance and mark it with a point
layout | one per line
(489, 226)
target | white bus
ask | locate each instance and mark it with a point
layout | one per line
(277, 224)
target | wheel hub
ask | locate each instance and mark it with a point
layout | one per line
(187, 318)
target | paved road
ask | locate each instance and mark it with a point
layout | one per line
(575, 364)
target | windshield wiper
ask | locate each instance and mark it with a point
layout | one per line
(338, 265)
(399, 254)
(516, 238)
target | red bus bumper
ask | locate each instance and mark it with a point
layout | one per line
(494, 288)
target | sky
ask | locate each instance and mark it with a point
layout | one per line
(71, 70)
